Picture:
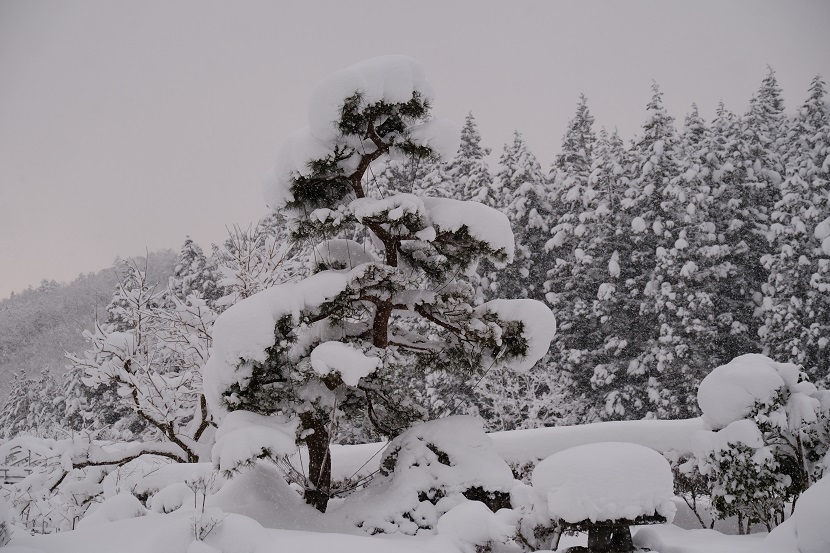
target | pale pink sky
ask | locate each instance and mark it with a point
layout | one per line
(128, 125)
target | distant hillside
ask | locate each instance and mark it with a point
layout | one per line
(38, 325)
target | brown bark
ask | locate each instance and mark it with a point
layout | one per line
(319, 461)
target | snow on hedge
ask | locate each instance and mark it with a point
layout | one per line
(389, 79)
(606, 481)
(731, 392)
(472, 527)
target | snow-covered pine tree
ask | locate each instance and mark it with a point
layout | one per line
(194, 272)
(15, 417)
(526, 198)
(732, 292)
(750, 187)
(577, 261)
(324, 347)
(606, 236)
(796, 307)
(635, 386)
(682, 281)
(467, 175)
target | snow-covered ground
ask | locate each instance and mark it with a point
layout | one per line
(260, 513)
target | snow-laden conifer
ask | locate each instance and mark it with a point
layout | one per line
(267, 355)
(796, 318)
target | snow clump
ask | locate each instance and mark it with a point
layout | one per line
(350, 363)
(243, 437)
(731, 392)
(472, 527)
(539, 326)
(605, 482)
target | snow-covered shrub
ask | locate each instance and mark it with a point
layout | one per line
(769, 440)
(428, 470)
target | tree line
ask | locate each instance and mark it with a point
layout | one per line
(661, 257)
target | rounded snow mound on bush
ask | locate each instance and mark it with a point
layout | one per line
(606, 481)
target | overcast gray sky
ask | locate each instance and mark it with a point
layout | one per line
(128, 125)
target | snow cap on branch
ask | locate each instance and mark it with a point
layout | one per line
(342, 358)
(730, 392)
(246, 330)
(538, 322)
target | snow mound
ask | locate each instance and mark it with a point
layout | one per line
(172, 498)
(263, 495)
(606, 481)
(243, 437)
(731, 392)
(119, 507)
(350, 363)
(471, 526)
(811, 518)
(428, 470)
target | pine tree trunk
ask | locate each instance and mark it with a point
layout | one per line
(319, 461)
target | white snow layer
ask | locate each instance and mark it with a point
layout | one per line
(730, 391)
(244, 437)
(342, 358)
(436, 460)
(119, 507)
(246, 329)
(483, 222)
(606, 481)
(471, 526)
(393, 79)
(812, 518)
(539, 326)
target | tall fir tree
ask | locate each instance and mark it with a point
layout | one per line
(796, 307)
(526, 200)
(467, 175)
